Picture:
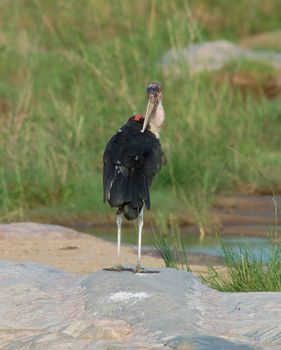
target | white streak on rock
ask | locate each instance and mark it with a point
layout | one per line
(125, 297)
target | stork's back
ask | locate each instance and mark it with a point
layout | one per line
(131, 161)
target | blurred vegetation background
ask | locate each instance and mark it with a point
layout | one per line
(72, 72)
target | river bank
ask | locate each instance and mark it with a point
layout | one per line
(83, 253)
(70, 250)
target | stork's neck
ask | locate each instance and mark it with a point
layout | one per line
(157, 120)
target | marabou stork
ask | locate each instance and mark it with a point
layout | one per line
(132, 158)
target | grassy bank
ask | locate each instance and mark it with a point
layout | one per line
(243, 269)
(73, 72)
(245, 272)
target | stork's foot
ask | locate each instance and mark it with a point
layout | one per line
(119, 268)
(140, 269)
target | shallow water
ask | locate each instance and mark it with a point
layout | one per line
(210, 245)
(241, 218)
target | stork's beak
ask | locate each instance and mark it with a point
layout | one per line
(150, 110)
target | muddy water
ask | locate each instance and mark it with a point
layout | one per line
(247, 219)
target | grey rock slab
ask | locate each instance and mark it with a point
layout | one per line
(45, 308)
(34, 230)
(213, 55)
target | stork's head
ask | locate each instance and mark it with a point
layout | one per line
(154, 95)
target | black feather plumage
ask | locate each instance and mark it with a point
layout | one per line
(131, 161)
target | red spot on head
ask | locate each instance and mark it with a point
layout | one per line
(137, 117)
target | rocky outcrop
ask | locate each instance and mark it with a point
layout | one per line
(210, 56)
(22, 230)
(45, 308)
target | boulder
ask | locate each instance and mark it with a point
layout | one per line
(213, 55)
(45, 308)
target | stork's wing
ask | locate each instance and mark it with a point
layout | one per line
(108, 172)
(131, 160)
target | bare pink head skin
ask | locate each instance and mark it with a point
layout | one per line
(154, 116)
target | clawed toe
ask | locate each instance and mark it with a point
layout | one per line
(118, 268)
(140, 269)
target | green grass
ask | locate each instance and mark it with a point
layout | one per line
(255, 67)
(171, 247)
(73, 72)
(246, 272)
(243, 270)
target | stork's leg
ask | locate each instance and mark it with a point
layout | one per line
(140, 226)
(119, 224)
(139, 268)
(119, 266)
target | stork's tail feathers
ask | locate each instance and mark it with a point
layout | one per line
(129, 211)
